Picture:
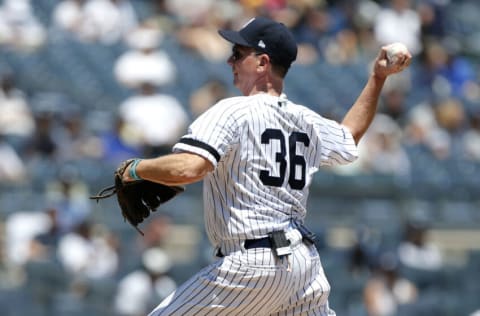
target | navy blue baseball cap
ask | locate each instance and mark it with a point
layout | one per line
(266, 36)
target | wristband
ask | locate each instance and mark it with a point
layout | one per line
(133, 170)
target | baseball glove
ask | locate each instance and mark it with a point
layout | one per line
(137, 198)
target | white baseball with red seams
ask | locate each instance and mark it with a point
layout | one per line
(394, 51)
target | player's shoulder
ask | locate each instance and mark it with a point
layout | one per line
(228, 109)
(310, 117)
(234, 101)
(237, 105)
(240, 104)
(303, 110)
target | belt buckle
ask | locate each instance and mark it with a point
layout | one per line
(280, 243)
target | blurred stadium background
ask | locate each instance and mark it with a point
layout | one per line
(407, 212)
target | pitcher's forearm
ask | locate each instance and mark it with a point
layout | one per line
(362, 112)
(174, 169)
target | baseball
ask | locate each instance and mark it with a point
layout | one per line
(394, 51)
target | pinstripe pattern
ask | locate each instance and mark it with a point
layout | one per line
(238, 205)
(254, 282)
(265, 151)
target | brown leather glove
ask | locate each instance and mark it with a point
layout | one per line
(137, 199)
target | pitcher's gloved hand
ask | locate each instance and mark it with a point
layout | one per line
(137, 199)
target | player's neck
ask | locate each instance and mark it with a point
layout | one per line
(270, 87)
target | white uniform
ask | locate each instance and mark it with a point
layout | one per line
(265, 150)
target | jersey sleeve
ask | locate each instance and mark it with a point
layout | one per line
(212, 133)
(336, 142)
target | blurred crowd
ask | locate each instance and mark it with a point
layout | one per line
(53, 147)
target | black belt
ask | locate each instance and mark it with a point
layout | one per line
(266, 242)
(258, 243)
(252, 243)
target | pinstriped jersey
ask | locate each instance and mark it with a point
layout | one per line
(265, 150)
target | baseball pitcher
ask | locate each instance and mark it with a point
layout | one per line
(256, 155)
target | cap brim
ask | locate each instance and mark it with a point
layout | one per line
(233, 37)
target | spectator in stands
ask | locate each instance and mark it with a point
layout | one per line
(146, 68)
(140, 290)
(359, 262)
(343, 48)
(432, 15)
(438, 127)
(153, 120)
(19, 27)
(12, 167)
(363, 22)
(399, 22)
(103, 21)
(394, 101)
(384, 153)
(110, 21)
(160, 17)
(68, 194)
(451, 116)
(43, 245)
(68, 16)
(75, 141)
(422, 130)
(381, 150)
(10, 276)
(312, 30)
(198, 30)
(446, 73)
(21, 227)
(42, 143)
(114, 147)
(144, 61)
(156, 232)
(416, 252)
(387, 289)
(210, 93)
(16, 117)
(471, 138)
(189, 10)
(88, 252)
